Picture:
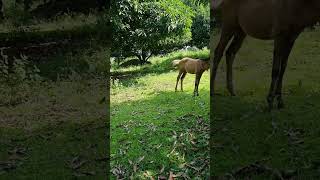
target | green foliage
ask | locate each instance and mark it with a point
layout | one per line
(195, 3)
(17, 16)
(22, 69)
(201, 27)
(144, 27)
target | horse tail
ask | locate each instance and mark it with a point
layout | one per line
(175, 62)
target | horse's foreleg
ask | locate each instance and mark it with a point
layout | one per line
(226, 35)
(287, 47)
(197, 81)
(181, 80)
(178, 77)
(230, 56)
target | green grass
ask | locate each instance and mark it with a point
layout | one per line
(154, 130)
(244, 133)
(147, 113)
(55, 130)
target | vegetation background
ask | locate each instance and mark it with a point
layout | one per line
(54, 68)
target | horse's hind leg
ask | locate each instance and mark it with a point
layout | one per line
(230, 56)
(282, 49)
(178, 77)
(196, 86)
(288, 44)
(181, 79)
(226, 35)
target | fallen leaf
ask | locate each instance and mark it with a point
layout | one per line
(162, 169)
(135, 168)
(76, 163)
(140, 159)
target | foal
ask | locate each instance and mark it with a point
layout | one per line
(192, 66)
(278, 20)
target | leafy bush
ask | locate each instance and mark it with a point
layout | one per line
(22, 69)
(143, 28)
(17, 16)
(201, 27)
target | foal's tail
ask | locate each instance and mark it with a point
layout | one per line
(175, 62)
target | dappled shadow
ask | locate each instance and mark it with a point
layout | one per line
(169, 130)
(64, 150)
(248, 141)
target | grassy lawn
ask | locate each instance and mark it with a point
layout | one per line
(155, 131)
(55, 130)
(249, 142)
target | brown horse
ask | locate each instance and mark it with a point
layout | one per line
(192, 66)
(278, 20)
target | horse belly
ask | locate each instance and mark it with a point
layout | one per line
(256, 18)
(191, 67)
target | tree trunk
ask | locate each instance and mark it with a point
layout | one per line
(1, 10)
(139, 57)
(144, 56)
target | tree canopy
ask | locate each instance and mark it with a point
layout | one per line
(143, 28)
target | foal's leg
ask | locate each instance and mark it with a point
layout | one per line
(226, 35)
(178, 77)
(230, 56)
(181, 81)
(282, 49)
(289, 42)
(197, 81)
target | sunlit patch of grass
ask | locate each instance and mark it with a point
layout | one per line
(150, 120)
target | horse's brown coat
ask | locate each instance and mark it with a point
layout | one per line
(278, 20)
(192, 66)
